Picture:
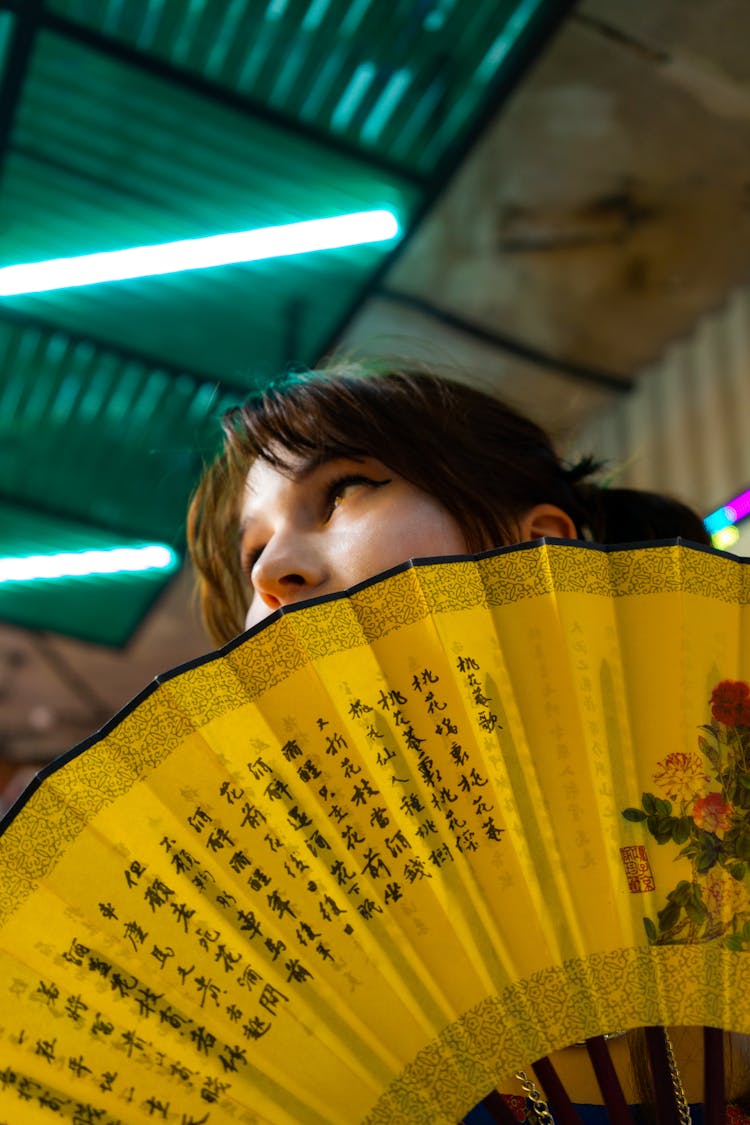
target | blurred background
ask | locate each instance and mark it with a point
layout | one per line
(572, 184)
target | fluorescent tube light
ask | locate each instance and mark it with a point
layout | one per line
(199, 253)
(731, 513)
(79, 564)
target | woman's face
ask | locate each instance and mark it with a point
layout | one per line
(321, 529)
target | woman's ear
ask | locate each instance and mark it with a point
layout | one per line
(546, 520)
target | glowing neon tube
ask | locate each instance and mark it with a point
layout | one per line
(199, 253)
(80, 564)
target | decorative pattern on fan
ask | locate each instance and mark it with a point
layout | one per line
(370, 859)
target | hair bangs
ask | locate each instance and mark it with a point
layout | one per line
(299, 419)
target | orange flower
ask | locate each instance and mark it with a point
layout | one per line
(712, 813)
(681, 776)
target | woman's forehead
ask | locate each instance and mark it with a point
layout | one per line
(278, 460)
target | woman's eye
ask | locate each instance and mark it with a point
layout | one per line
(341, 489)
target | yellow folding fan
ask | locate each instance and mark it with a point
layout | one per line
(376, 855)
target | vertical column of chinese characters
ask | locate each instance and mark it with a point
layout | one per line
(472, 780)
(315, 918)
(362, 816)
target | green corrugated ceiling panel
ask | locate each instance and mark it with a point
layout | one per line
(104, 609)
(393, 76)
(6, 29)
(103, 157)
(109, 443)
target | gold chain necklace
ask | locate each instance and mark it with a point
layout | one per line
(679, 1092)
(539, 1107)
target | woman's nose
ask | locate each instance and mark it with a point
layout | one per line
(287, 571)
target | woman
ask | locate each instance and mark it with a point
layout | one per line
(330, 478)
(463, 471)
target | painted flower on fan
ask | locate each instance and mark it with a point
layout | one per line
(681, 776)
(701, 807)
(724, 896)
(712, 813)
(730, 703)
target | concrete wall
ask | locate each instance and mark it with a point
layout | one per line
(685, 428)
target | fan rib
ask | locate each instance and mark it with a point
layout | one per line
(609, 1083)
(713, 1076)
(563, 1110)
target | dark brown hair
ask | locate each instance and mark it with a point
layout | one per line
(484, 461)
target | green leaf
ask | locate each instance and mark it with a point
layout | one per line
(696, 894)
(661, 807)
(742, 844)
(648, 800)
(682, 893)
(635, 815)
(650, 929)
(704, 862)
(669, 916)
(738, 792)
(681, 829)
(737, 871)
(734, 942)
(708, 851)
(696, 912)
(662, 830)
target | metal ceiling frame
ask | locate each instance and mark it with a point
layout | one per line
(41, 19)
(34, 18)
(594, 376)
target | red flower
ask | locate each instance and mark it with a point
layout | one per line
(712, 813)
(730, 703)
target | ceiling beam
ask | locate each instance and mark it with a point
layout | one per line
(26, 23)
(206, 88)
(609, 31)
(499, 340)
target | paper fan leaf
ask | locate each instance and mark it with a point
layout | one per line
(371, 858)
